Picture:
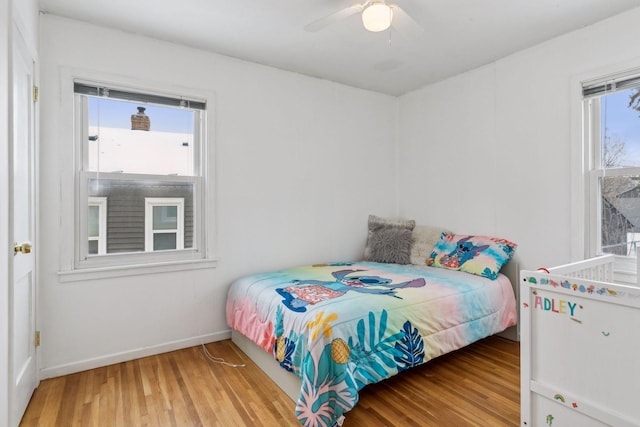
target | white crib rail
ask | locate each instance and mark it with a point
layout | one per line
(599, 269)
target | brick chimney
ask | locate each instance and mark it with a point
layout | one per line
(140, 121)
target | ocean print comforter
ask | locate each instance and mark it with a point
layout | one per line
(342, 326)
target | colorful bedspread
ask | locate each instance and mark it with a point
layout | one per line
(342, 326)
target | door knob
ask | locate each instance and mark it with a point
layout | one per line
(24, 248)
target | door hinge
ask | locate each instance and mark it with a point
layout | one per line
(37, 339)
(35, 94)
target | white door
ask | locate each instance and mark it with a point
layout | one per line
(23, 376)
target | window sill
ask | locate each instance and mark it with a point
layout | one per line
(85, 274)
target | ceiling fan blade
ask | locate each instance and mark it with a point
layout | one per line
(333, 18)
(404, 23)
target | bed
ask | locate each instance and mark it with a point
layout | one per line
(340, 326)
(580, 346)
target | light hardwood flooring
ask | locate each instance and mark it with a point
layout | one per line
(474, 386)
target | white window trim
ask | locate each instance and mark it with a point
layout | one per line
(592, 158)
(101, 203)
(149, 231)
(70, 157)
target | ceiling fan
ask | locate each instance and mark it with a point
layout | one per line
(377, 15)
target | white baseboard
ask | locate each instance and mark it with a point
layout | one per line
(110, 359)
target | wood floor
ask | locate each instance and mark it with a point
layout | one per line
(475, 386)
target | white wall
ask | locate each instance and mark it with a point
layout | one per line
(491, 151)
(300, 163)
(26, 17)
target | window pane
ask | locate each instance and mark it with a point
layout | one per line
(165, 217)
(165, 149)
(94, 221)
(93, 247)
(620, 214)
(164, 241)
(126, 213)
(620, 129)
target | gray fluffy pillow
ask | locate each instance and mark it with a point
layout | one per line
(390, 245)
(376, 223)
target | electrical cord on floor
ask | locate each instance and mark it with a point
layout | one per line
(208, 355)
(220, 360)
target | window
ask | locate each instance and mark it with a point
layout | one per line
(164, 224)
(97, 225)
(143, 154)
(612, 133)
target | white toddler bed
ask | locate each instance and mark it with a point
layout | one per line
(580, 347)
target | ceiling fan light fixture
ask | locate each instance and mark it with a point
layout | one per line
(377, 17)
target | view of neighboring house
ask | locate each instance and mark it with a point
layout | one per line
(130, 214)
(621, 218)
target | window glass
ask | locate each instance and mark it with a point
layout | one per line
(97, 225)
(620, 130)
(615, 183)
(164, 241)
(165, 217)
(127, 210)
(166, 148)
(94, 221)
(620, 214)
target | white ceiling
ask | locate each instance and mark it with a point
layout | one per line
(458, 35)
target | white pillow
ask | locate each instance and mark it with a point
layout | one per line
(424, 239)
